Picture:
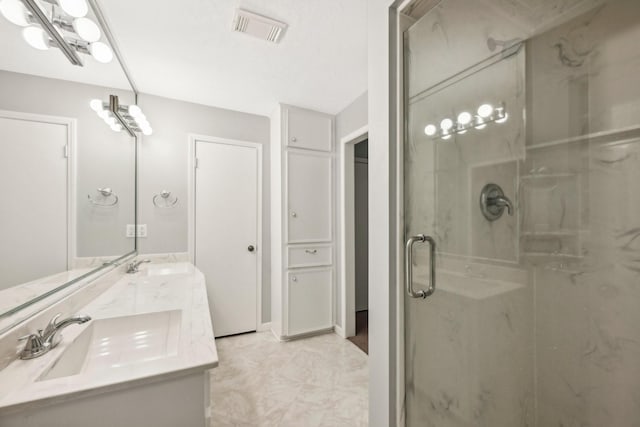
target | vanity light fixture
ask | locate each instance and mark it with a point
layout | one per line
(466, 121)
(58, 23)
(118, 117)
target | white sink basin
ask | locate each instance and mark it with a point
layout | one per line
(119, 342)
(166, 269)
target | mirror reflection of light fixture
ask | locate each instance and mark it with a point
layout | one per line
(58, 23)
(466, 121)
(118, 117)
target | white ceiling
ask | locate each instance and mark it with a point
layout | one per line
(186, 50)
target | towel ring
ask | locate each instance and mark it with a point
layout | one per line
(106, 194)
(164, 196)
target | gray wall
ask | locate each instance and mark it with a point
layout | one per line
(163, 166)
(352, 118)
(104, 158)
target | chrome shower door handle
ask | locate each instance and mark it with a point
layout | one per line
(408, 266)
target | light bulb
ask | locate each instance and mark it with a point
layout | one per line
(116, 127)
(485, 110)
(430, 130)
(74, 8)
(86, 29)
(446, 124)
(464, 118)
(111, 121)
(96, 105)
(142, 123)
(15, 12)
(134, 111)
(147, 131)
(101, 52)
(503, 119)
(36, 37)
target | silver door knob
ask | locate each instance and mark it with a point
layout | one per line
(293, 214)
(294, 279)
(251, 248)
(294, 139)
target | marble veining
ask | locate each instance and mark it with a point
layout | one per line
(312, 382)
(534, 321)
(130, 295)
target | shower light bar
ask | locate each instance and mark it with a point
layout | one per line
(118, 117)
(466, 121)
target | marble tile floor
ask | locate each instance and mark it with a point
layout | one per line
(311, 382)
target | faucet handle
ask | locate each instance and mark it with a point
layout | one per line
(51, 326)
(34, 347)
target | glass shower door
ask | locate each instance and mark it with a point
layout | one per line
(521, 164)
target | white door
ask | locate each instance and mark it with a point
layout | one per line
(33, 170)
(227, 187)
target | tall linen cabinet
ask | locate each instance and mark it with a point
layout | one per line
(302, 222)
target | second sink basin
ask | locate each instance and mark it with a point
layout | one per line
(119, 342)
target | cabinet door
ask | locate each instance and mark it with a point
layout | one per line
(308, 197)
(308, 129)
(309, 305)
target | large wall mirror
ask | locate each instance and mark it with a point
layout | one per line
(68, 173)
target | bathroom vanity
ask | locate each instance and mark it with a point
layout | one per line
(143, 359)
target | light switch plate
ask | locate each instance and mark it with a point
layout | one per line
(131, 230)
(142, 230)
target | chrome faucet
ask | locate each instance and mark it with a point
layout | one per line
(132, 268)
(44, 341)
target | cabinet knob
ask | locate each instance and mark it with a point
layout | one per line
(293, 214)
(251, 248)
(294, 279)
(311, 251)
(294, 139)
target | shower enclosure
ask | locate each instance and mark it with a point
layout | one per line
(522, 209)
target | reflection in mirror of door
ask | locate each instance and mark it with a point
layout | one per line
(58, 152)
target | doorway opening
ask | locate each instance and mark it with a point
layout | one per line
(354, 242)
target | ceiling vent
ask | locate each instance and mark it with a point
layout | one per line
(258, 26)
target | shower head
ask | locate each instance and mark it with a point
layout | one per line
(508, 47)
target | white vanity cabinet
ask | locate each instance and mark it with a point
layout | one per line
(302, 165)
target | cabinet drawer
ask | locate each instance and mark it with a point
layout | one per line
(309, 305)
(309, 256)
(308, 129)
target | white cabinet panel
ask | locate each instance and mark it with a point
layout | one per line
(309, 197)
(309, 305)
(309, 256)
(308, 129)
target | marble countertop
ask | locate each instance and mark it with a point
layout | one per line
(156, 288)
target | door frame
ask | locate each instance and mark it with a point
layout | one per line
(191, 208)
(347, 230)
(72, 126)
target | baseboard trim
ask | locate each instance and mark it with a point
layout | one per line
(264, 327)
(339, 331)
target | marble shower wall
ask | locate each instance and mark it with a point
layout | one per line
(534, 322)
(582, 217)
